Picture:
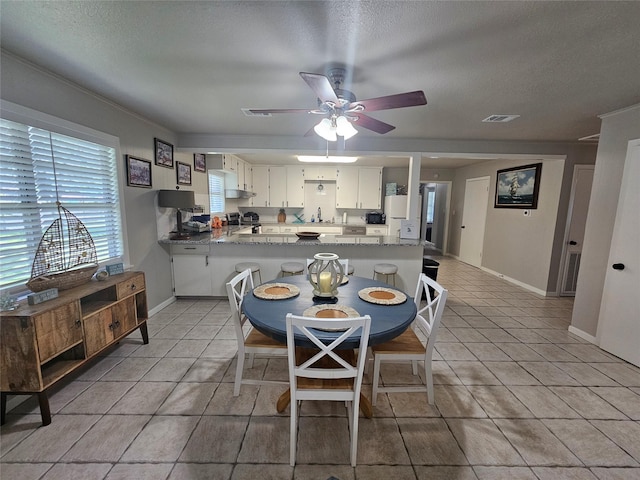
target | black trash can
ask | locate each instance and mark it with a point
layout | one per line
(430, 269)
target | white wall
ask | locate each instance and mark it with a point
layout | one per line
(617, 129)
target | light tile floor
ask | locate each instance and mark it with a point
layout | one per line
(517, 397)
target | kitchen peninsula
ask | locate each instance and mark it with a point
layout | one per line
(203, 264)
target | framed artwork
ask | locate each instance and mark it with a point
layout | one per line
(164, 153)
(199, 162)
(183, 172)
(518, 187)
(138, 172)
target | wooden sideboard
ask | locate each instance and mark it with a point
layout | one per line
(40, 344)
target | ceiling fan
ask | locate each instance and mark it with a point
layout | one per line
(340, 108)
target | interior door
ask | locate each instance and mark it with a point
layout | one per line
(619, 321)
(574, 236)
(474, 217)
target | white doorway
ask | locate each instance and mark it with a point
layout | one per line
(474, 217)
(574, 231)
(619, 322)
(434, 228)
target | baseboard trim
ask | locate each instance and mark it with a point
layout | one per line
(583, 335)
(515, 282)
(164, 304)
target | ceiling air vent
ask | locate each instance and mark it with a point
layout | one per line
(249, 113)
(500, 118)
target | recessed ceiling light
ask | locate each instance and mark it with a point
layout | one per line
(326, 159)
(500, 118)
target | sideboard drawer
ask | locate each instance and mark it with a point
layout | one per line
(131, 286)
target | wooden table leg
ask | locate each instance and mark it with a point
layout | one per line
(283, 401)
(45, 411)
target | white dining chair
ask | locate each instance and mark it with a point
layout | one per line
(326, 373)
(408, 347)
(251, 341)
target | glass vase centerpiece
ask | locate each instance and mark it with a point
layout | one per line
(325, 275)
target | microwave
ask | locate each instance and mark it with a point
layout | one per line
(376, 218)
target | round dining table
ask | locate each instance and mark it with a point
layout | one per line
(387, 321)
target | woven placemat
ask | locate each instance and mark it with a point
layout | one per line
(276, 291)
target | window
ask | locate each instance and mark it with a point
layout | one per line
(39, 167)
(216, 193)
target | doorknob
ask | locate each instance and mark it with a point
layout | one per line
(571, 242)
(462, 226)
(618, 266)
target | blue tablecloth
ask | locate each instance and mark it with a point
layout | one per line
(387, 321)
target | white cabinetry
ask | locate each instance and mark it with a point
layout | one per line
(240, 174)
(288, 229)
(378, 230)
(320, 173)
(278, 187)
(270, 229)
(370, 188)
(295, 186)
(347, 187)
(192, 271)
(260, 175)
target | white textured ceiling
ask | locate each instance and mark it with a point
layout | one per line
(191, 66)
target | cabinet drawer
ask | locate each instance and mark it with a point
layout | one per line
(190, 249)
(58, 330)
(270, 229)
(288, 229)
(131, 286)
(377, 230)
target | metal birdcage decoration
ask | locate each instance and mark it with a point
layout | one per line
(66, 255)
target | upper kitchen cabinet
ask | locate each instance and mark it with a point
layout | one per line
(359, 187)
(223, 161)
(295, 185)
(277, 187)
(260, 174)
(370, 188)
(347, 187)
(317, 172)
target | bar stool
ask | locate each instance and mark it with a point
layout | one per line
(255, 267)
(387, 269)
(292, 268)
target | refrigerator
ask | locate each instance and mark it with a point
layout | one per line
(395, 208)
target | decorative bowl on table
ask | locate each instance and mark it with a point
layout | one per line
(308, 235)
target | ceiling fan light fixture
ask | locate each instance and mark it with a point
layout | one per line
(344, 128)
(326, 130)
(326, 159)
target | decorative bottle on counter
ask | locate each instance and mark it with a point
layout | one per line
(282, 217)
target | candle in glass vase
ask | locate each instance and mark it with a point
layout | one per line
(324, 282)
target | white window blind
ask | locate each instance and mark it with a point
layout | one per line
(216, 193)
(86, 181)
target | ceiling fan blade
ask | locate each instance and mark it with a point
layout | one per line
(400, 100)
(321, 86)
(372, 124)
(278, 110)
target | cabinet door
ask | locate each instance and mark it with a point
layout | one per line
(58, 330)
(347, 187)
(240, 171)
(98, 331)
(123, 315)
(260, 186)
(327, 173)
(278, 187)
(370, 187)
(295, 186)
(192, 275)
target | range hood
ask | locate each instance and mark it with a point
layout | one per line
(238, 194)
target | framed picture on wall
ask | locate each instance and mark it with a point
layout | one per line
(138, 172)
(164, 153)
(183, 173)
(518, 187)
(199, 162)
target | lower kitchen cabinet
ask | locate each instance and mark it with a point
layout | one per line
(192, 270)
(41, 344)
